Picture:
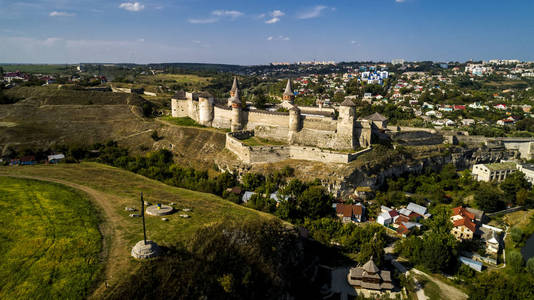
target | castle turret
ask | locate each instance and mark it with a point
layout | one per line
(288, 94)
(234, 91)
(294, 123)
(345, 125)
(205, 109)
(236, 111)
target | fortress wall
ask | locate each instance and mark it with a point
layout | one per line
(234, 145)
(222, 117)
(317, 138)
(179, 108)
(319, 123)
(316, 154)
(317, 109)
(276, 133)
(255, 118)
(192, 110)
(271, 154)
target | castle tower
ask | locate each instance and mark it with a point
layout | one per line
(234, 91)
(345, 125)
(294, 123)
(205, 109)
(288, 95)
(236, 111)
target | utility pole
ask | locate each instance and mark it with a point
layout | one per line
(143, 216)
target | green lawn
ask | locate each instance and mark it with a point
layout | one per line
(183, 121)
(49, 241)
(257, 141)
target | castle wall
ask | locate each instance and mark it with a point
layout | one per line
(179, 108)
(271, 154)
(251, 119)
(319, 123)
(222, 117)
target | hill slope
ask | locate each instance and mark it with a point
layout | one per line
(114, 189)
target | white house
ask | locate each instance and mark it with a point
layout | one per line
(493, 172)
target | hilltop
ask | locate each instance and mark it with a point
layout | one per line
(112, 189)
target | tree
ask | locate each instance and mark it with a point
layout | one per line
(515, 261)
(488, 199)
(513, 184)
(530, 265)
(517, 234)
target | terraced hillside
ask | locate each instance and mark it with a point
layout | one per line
(49, 116)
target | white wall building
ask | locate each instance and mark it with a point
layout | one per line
(493, 172)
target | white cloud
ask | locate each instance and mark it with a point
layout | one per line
(132, 6)
(203, 21)
(227, 13)
(400, 1)
(217, 15)
(61, 14)
(277, 13)
(278, 38)
(141, 40)
(275, 16)
(313, 12)
(273, 20)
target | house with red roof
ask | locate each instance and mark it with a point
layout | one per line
(350, 212)
(463, 223)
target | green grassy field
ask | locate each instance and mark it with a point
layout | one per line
(42, 69)
(49, 241)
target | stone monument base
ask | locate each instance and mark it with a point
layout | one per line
(142, 251)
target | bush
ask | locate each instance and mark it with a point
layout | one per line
(530, 265)
(517, 234)
(515, 261)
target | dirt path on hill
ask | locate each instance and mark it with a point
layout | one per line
(115, 253)
(449, 290)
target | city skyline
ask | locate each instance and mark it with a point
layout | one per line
(239, 32)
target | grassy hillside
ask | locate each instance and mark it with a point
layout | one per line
(114, 189)
(49, 240)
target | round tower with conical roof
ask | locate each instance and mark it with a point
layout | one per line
(234, 91)
(288, 94)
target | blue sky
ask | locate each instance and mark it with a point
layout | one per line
(257, 32)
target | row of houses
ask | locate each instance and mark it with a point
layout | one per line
(31, 160)
(403, 220)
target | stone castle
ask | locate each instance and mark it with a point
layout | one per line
(305, 126)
